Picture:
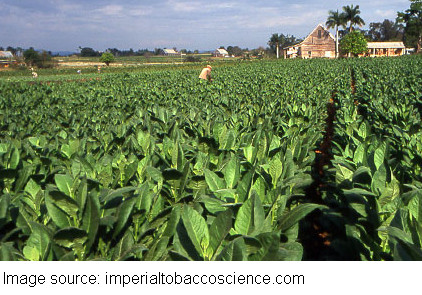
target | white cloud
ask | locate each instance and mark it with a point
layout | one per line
(139, 11)
(386, 13)
(111, 10)
(187, 6)
(276, 18)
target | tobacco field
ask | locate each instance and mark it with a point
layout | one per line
(273, 160)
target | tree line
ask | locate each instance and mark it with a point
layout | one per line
(407, 27)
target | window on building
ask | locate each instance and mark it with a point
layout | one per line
(319, 34)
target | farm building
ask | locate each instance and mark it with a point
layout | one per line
(170, 52)
(377, 49)
(319, 43)
(221, 52)
(6, 58)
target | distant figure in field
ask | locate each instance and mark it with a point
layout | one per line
(79, 72)
(34, 74)
(206, 74)
(99, 69)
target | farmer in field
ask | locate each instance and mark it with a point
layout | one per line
(206, 74)
(34, 74)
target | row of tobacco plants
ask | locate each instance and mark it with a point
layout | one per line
(153, 165)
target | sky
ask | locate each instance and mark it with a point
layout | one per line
(64, 25)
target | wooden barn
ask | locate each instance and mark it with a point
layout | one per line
(319, 43)
(378, 49)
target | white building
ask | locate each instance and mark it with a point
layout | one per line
(220, 52)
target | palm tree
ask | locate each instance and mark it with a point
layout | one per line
(351, 14)
(334, 20)
(275, 41)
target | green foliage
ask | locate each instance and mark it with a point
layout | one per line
(191, 58)
(107, 58)
(165, 169)
(40, 60)
(88, 52)
(354, 43)
(351, 15)
(31, 56)
(412, 18)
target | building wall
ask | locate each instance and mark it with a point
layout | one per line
(379, 52)
(318, 44)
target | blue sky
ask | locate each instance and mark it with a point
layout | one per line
(203, 24)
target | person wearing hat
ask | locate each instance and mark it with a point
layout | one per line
(206, 74)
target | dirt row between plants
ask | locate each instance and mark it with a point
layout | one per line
(315, 234)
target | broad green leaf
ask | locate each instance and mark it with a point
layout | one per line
(64, 184)
(232, 172)
(4, 209)
(118, 193)
(250, 219)
(81, 193)
(155, 174)
(172, 222)
(359, 154)
(260, 188)
(397, 233)
(124, 212)
(343, 173)
(8, 252)
(288, 164)
(379, 157)
(24, 175)
(219, 229)
(244, 185)
(250, 153)
(64, 202)
(196, 228)
(357, 192)
(415, 207)
(379, 180)
(38, 246)
(291, 252)
(228, 140)
(91, 219)
(177, 157)
(53, 201)
(32, 188)
(70, 237)
(269, 250)
(234, 251)
(126, 248)
(213, 205)
(297, 214)
(262, 147)
(144, 140)
(158, 250)
(14, 158)
(362, 130)
(214, 182)
(276, 169)
(123, 247)
(31, 253)
(244, 218)
(183, 247)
